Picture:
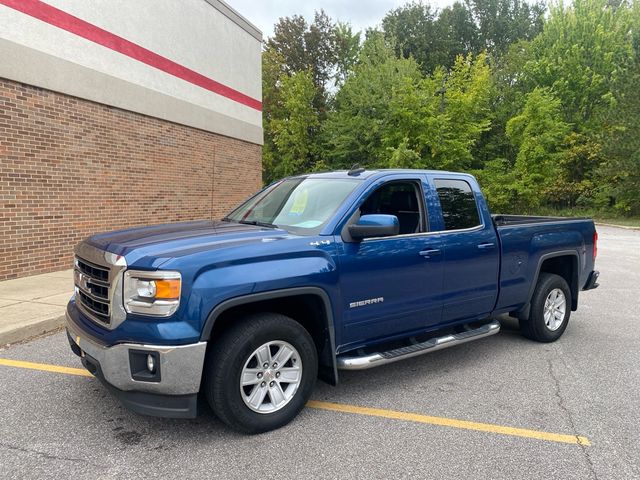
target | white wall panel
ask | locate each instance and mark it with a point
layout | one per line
(191, 33)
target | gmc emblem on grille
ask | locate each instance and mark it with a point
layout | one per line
(82, 282)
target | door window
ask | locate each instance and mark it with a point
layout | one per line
(459, 208)
(401, 199)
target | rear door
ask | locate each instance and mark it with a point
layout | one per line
(471, 253)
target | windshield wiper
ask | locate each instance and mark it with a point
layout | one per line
(257, 223)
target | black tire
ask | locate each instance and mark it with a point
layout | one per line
(535, 327)
(226, 360)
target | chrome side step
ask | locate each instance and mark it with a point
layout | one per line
(349, 362)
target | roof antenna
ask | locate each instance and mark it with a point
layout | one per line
(356, 170)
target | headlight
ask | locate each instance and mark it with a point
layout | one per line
(152, 293)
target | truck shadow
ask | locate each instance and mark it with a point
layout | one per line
(434, 368)
(419, 374)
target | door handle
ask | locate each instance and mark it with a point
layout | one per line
(431, 252)
(486, 246)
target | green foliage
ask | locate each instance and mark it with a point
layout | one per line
(388, 115)
(542, 105)
(507, 99)
(585, 58)
(436, 39)
(355, 129)
(306, 47)
(457, 32)
(582, 54)
(300, 63)
(503, 22)
(412, 31)
(537, 134)
(272, 73)
(294, 133)
(619, 172)
(573, 183)
(347, 50)
(441, 117)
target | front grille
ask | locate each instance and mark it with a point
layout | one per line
(92, 290)
(93, 271)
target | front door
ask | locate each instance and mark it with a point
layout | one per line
(391, 286)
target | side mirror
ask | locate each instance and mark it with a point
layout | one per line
(374, 226)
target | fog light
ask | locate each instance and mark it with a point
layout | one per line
(145, 365)
(151, 363)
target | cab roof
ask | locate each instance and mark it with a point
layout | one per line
(368, 174)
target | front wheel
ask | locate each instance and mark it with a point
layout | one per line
(550, 309)
(261, 372)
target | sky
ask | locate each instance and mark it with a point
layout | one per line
(359, 13)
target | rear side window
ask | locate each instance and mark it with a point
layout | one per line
(458, 204)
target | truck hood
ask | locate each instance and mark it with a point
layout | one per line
(152, 246)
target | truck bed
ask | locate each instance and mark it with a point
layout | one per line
(505, 220)
(527, 241)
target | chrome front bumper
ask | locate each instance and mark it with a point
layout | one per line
(181, 366)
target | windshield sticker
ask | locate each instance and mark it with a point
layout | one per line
(299, 203)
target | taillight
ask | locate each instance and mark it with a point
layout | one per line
(595, 244)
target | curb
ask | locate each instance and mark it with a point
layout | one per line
(30, 330)
(626, 227)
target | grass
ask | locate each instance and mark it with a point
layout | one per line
(624, 221)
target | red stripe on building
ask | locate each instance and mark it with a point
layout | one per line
(65, 21)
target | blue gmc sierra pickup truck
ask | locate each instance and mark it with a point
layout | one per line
(313, 274)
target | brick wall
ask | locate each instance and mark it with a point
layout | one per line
(70, 168)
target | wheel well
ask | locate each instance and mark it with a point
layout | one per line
(565, 266)
(308, 310)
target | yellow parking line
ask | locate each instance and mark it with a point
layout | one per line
(449, 422)
(372, 412)
(45, 367)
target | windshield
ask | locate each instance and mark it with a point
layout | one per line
(299, 205)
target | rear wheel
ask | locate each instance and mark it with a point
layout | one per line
(261, 372)
(550, 309)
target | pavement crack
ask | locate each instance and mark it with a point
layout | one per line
(50, 456)
(569, 415)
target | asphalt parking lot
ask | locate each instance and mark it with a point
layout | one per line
(573, 408)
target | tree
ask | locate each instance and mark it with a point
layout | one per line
(354, 129)
(410, 29)
(347, 50)
(583, 54)
(458, 32)
(503, 22)
(306, 47)
(436, 38)
(322, 52)
(272, 73)
(537, 133)
(619, 172)
(507, 99)
(441, 117)
(545, 110)
(388, 115)
(294, 132)
(433, 39)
